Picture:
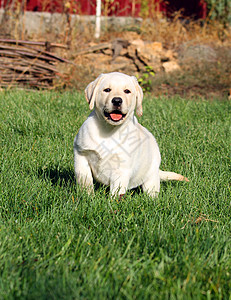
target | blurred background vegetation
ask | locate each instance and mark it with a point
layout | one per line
(206, 41)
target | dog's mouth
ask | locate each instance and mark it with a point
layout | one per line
(115, 115)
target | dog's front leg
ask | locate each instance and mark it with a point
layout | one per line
(119, 184)
(83, 172)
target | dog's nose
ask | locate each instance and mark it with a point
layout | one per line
(117, 101)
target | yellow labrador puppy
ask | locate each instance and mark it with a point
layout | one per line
(111, 146)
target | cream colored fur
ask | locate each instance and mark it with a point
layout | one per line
(117, 152)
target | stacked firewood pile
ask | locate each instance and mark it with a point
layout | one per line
(28, 64)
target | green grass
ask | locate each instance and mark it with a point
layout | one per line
(57, 242)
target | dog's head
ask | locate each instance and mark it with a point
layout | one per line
(115, 96)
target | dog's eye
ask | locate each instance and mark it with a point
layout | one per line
(127, 91)
(107, 90)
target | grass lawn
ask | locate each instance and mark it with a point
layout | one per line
(57, 242)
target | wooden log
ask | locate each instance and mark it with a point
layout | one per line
(42, 44)
(94, 48)
(31, 84)
(25, 79)
(32, 63)
(43, 55)
(3, 47)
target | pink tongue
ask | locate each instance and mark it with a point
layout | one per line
(116, 117)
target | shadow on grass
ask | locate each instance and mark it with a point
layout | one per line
(57, 176)
(98, 186)
(65, 177)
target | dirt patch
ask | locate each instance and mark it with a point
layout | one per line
(198, 77)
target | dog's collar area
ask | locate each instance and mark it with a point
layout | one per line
(115, 115)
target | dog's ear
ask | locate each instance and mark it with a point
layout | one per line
(91, 89)
(139, 97)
